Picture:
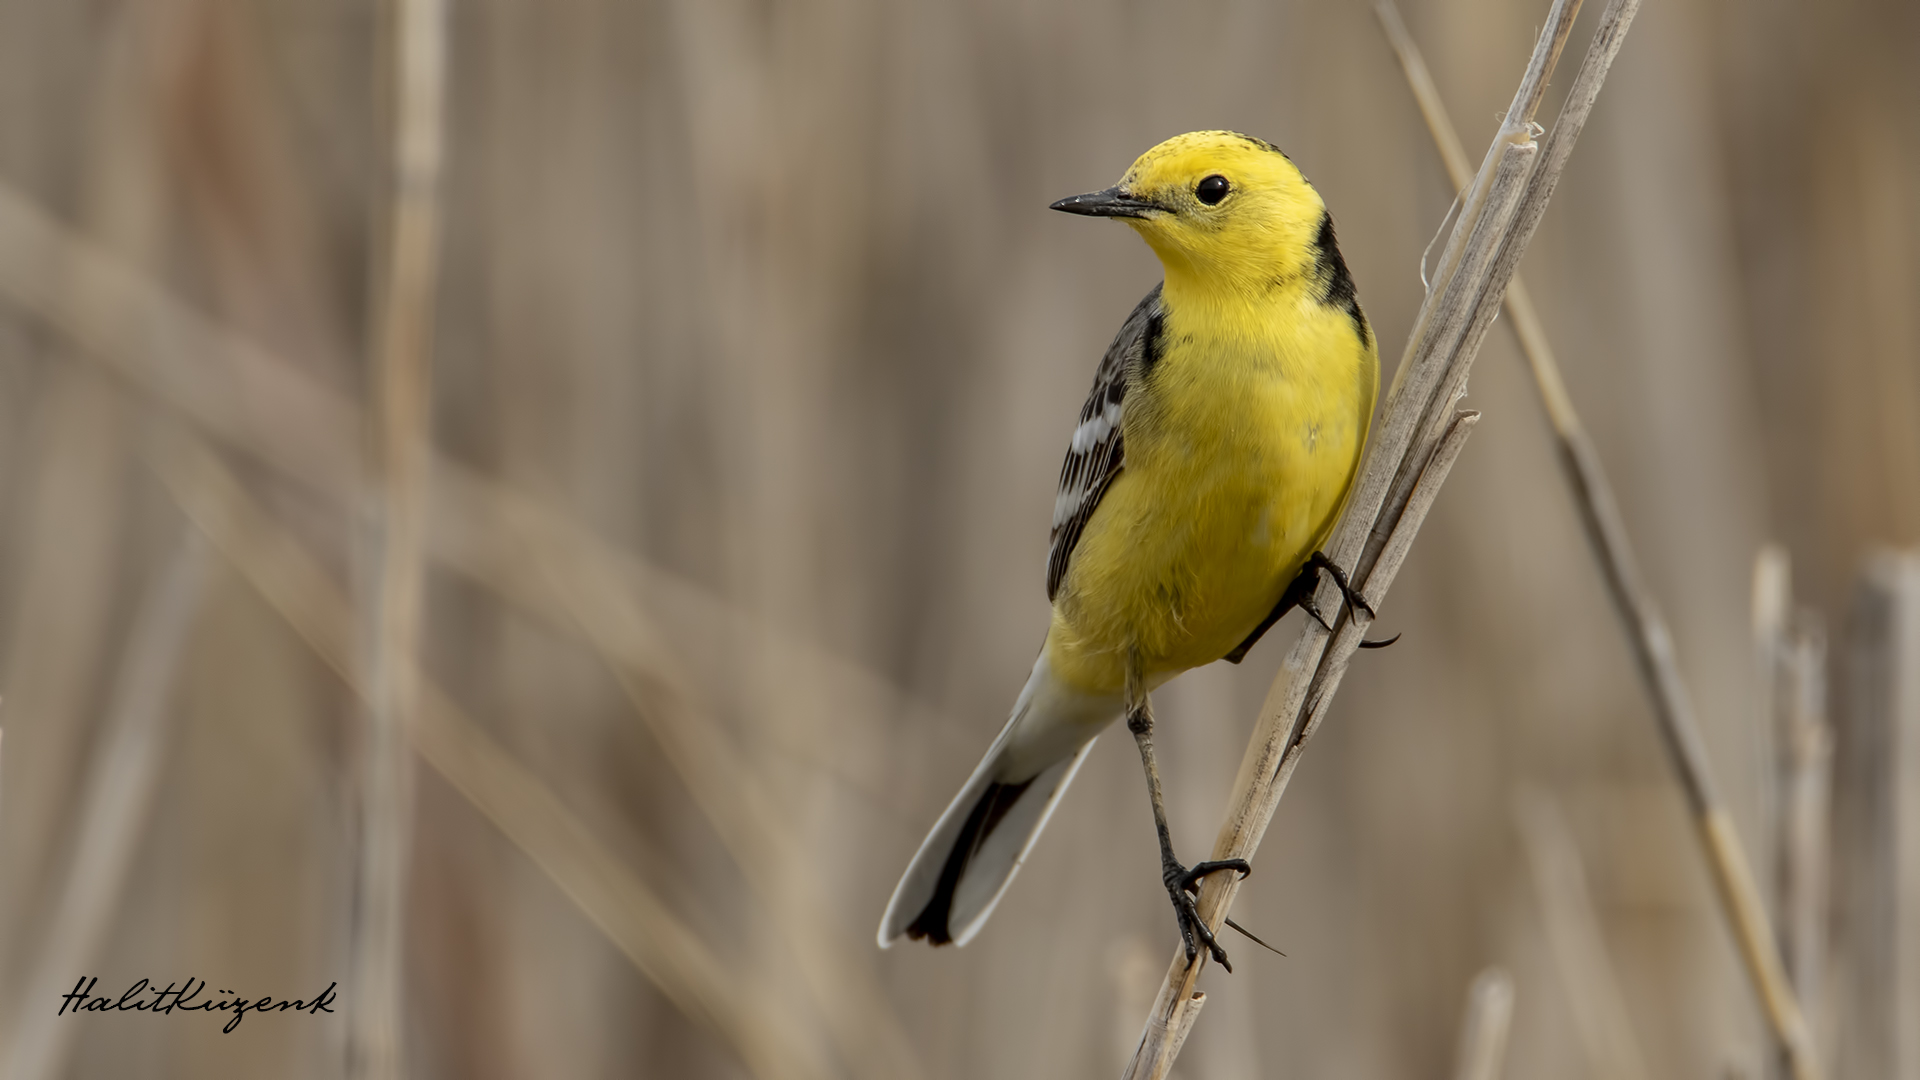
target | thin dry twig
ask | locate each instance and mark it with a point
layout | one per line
(404, 378)
(1484, 1030)
(118, 799)
(630, 914)
(1646, 628)
(1407, 459)
(1594, 996)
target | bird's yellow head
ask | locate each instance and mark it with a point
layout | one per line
(1216, 206)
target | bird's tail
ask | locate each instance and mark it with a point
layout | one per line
(973, 852)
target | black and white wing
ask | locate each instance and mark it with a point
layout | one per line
(1095, 455)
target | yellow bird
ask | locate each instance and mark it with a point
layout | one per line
(1212, 458)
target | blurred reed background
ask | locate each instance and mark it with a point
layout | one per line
(757, 353)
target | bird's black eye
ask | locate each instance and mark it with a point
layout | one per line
(1212, 189)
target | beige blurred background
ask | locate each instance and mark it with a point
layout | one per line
(758, 351)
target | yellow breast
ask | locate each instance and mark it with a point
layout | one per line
(1240, 446)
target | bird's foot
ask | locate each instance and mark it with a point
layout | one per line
(1318, 562)
(1183, 888)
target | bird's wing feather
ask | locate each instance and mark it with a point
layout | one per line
(1096, 453)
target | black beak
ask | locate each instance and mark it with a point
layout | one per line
(1113, 203)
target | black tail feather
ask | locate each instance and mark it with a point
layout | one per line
(994, 803)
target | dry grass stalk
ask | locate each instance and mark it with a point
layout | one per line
(1646, 628)
(117, 801)
(537, 821)
(1486, 1026)
(1414, 445)
(404, 378)
(1793, 653)
(1770, 611)
(1880, 839)
(259, 403)
(1807, 796)
(1598, 1004)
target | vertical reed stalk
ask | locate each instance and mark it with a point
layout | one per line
(1770, 612)
(1791, 650)
(1806, 799)
(1880, 784)
(403, 377)
(1645, 627)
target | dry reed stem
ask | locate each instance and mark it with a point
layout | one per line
(117, 800)
(1770, 611)
(1181, 1024)
(261, 404)
(526, 811)
(1646, 628)
(1407, 458)
(1791, 648)
(1594, 996)
(403, 377)
(1881, 924)
(1485, 1028)
(1807, 797)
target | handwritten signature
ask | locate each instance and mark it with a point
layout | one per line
(166, 1001)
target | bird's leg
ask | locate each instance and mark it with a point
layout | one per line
(1182, 883)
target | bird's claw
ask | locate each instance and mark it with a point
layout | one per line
(1190, 879)
(1313, 612)
(1352, 595)
(1183, 886)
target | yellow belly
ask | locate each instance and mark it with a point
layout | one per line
(1235, 471)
